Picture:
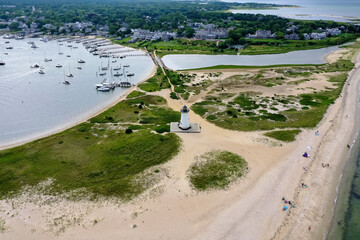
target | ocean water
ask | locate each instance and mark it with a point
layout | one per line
(32, 104)
(335, 10)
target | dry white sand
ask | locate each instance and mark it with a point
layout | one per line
(250, 209)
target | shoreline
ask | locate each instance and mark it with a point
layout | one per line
(321, 228)
(82, 118)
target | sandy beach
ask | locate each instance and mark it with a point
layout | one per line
(250, 209)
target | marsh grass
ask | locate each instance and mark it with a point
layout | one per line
(216, 170)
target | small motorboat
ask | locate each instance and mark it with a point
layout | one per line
(41, 71)
(7, 42)
(102, 74)
(81, 61)
(69, 75)
(130, 74)
(58, 65)
(79, 68)
(68, 56)
(126, 65)
(2, 63)
(9, 47)
(103, 89)
(35, 65)
(66, 82)
(47, 60)
(117, 74)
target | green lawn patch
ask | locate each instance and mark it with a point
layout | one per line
(216, 170)
(107, 156)
(284, 135)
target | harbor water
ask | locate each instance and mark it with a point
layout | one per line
(33, 104)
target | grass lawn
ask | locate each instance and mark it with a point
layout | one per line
(97, 157)
(216, 170)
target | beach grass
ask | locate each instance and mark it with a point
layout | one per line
(216, 170)
(283, 135)
(251, 113)
(99, 157)
(155, 83)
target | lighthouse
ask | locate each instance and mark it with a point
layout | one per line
(184, 123)
(185, 126)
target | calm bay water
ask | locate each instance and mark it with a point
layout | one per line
(335, 10)
(191, 61)
(32, 104)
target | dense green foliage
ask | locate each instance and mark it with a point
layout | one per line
(97, 157)
(283, 135)
(216, 170)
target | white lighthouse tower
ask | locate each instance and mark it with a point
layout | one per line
(184, 123)
(185, 126)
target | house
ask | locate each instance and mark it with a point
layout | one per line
(333, 32)
(262, 34)
(292, 36)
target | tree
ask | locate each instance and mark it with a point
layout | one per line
(189, 32)
(14, 26)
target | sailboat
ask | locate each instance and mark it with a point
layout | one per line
(70, 74)
(66, 82)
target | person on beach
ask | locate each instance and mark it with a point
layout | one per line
(309, 228)
(348, 146)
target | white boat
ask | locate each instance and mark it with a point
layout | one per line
(69, 75)
(81, 61)
(19, 37)
(47, 60)
(103, 89)
(126, 65)
(44, 39)
(102, 74)
(117, 68)
(41, 71)
(117, 74)
(58, 65)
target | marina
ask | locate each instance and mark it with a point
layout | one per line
(40, 99)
